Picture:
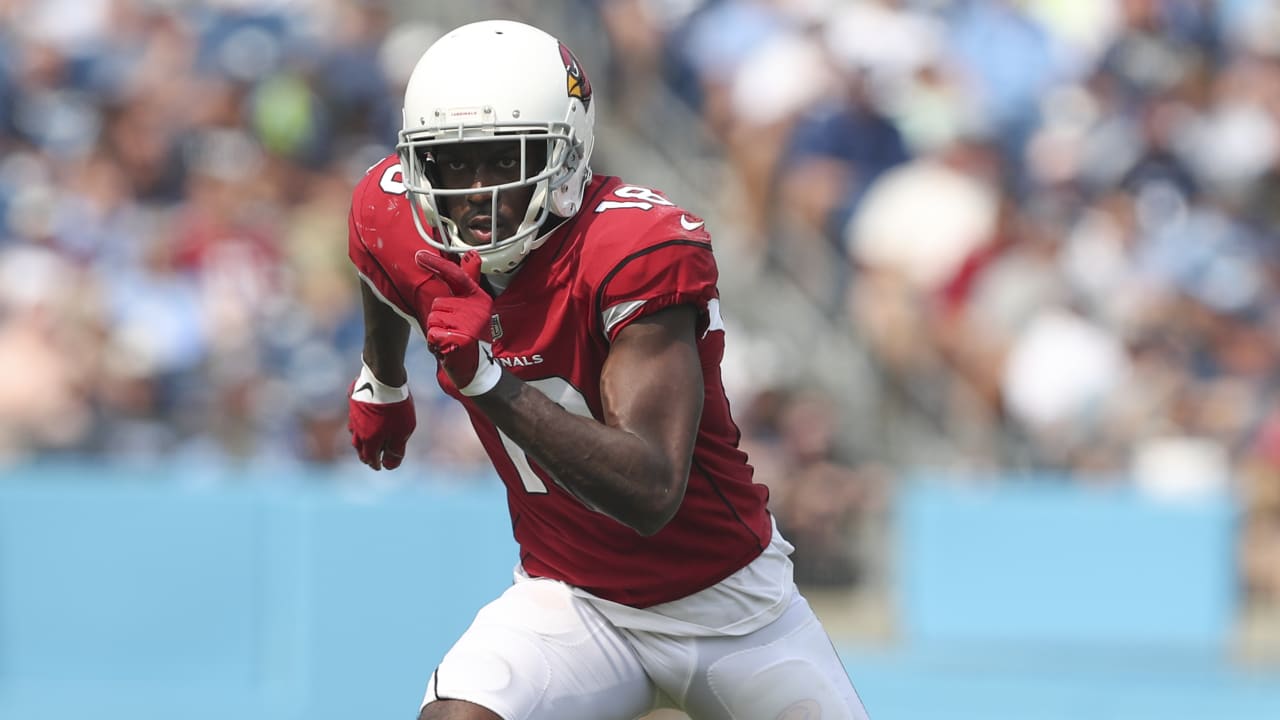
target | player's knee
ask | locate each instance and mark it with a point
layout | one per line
(456, 710)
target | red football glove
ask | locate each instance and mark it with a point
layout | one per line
(381, 418)
(458, 324)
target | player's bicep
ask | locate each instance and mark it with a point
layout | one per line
(651, 384)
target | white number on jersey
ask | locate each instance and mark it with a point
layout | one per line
(638, 197)
(562, 394)
(392, 180)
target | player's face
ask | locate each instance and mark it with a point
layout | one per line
(479, 164)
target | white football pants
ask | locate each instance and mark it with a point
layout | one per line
(539, 652)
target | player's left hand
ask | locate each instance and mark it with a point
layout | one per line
(458, 324)
(380, 419)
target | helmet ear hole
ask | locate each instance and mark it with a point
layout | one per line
(430, 168)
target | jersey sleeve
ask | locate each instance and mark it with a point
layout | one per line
(677, 268)
(367, 267)
(362, 223)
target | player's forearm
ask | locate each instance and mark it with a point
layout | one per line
(384, 354)
(386, 339)
(609, 469)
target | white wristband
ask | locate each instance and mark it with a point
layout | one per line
(372, 390)
(488, 372)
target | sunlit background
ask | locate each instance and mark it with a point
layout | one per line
(1002, 286)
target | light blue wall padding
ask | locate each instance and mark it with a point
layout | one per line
(1039, 561)
(122, 598)
(1047, 683)
(148, 595)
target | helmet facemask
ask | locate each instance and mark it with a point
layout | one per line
(428, 198)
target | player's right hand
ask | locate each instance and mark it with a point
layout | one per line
(380, 418)
(458, 324)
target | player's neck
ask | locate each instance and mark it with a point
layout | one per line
(498, 282)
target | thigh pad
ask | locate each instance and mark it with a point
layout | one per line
(539, 653)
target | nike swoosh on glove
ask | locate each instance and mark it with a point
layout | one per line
(380, 418)
(458, 324)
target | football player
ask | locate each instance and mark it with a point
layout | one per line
(576, 319)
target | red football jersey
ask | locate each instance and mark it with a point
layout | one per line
(629, 252)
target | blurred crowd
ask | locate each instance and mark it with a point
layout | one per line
(1053, 224)
(174, 179)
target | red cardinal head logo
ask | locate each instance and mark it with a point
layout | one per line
(576, 81)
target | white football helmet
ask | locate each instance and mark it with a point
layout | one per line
(498, 80)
